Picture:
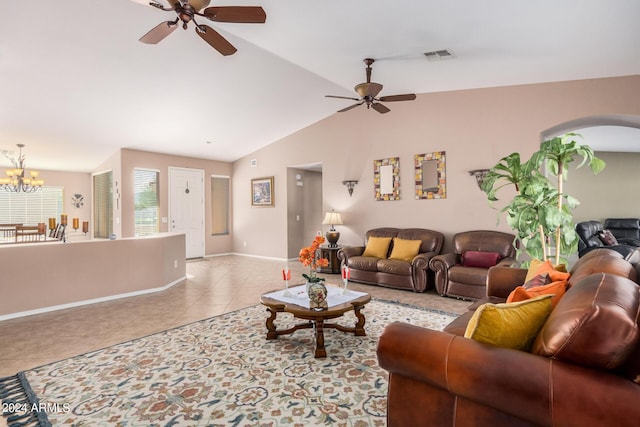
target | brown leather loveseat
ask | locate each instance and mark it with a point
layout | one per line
(412, 273)
(583, 368)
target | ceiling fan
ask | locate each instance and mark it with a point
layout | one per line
(187, 11)
(369, 91)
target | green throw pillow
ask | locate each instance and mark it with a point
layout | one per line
(513, 325)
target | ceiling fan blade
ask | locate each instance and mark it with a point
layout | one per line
(393, 98)
(216, 41)
(342, 97)
(350, 107)
(239, 14)
(159, 32)
(380, 108)
(173, 3)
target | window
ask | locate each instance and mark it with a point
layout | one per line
(147, 207)
(219, 205)
(31, 208)
(103, 205)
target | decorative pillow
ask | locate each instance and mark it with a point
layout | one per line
(514, 325)
(556, 289)
(556, 272)
(595, 323)
(607, 237)
(480, 259)
(405, 249)
(539, 280)
(377, 247)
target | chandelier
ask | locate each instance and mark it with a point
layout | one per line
(16, 181)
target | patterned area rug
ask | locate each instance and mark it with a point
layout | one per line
(223, 372)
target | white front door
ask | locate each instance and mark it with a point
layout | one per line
(186, 208)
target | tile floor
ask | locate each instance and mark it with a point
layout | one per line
(214, 286)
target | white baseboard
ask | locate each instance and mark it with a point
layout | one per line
(252, 256)
(88, 302)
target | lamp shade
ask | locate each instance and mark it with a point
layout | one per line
(332, 218)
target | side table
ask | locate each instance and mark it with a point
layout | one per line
(332, 255)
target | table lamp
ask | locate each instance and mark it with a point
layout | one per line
(332, 218)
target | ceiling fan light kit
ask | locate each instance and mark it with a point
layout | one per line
(368, 93)
(187, 10)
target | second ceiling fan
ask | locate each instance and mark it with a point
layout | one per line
(368, 94)
(187, 11)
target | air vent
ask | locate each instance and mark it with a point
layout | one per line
(437, 55)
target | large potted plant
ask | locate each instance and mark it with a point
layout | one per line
(540, 211)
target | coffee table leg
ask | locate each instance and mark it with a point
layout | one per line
(320, 350)
(271, 327)
(359, 329)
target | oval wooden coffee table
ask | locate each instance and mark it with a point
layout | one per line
(316, 319)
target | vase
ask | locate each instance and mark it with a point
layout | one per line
(317, 296)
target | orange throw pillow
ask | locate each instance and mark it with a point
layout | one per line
(557, 289)
(540, 267)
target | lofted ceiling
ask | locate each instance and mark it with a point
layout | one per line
(76, 85)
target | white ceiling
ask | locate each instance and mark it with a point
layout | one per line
(76, 85)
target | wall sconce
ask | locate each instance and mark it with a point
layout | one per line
(350, 185)
(479, 174)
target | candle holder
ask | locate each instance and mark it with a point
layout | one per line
(286, 276)
(346, 275)
(76, 224)
(85, 227)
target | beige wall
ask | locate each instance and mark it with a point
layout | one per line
(613, 193)
(475, 128)
(132, 159)
(73, 183)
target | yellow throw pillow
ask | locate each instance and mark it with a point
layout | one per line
(377, 247)
(513, 325)
(405, 249)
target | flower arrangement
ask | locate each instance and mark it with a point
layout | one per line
(308, 258)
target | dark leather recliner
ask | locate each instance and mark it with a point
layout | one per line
(625, 230)
(453, 278)
(588, 234)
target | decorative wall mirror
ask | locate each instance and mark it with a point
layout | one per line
(386, 178)
(431, 178)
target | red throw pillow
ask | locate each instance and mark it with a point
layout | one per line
(480, 259)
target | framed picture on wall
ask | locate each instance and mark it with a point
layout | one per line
(262, 192)
(431, 176)
(386, 178)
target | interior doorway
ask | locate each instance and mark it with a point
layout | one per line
(304, 206)
(186, 208)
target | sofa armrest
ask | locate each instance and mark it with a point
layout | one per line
(422, 260)
(502, 280)
(508, 262)
(440, 264)
(346, 252)
(628, 241)
(536, 389)
(443, 261)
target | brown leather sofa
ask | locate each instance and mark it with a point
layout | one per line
(443, 379)
(455, 279)
(394, 273)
